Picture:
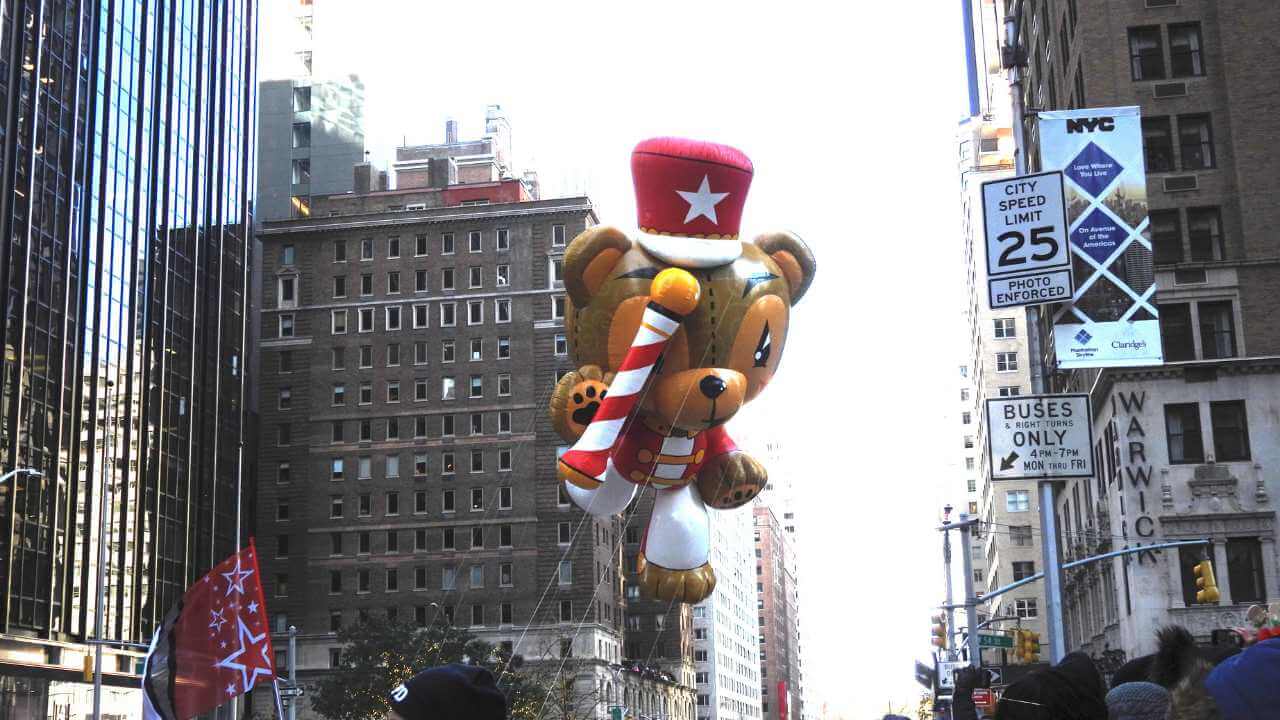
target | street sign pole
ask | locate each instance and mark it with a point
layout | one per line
(971, 603)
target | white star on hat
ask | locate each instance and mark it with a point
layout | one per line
(703, 202)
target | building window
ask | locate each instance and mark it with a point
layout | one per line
(477, 538)
(968, 442)
(1230, 431)
(285, 434)
(393, 317)
(1146, 53)
(366, 248)
(286, 325)
(477, 576)
(565, 533)
(1176, 333)
(1006, 362)
(366, 430)
(1185, 59)
(393, 283)
(366, 393)
(365, 316)
(1182, 432)
(566, 611)
(448, 314)
(420, 280)
(475, 277)
(1166, 236)
(446, 279)
(447, 503)
(1025, 608)
(475, 312)
(566, 572)
(393, 354)
(366, 356)
(561, 345)
(477, 424)
(557, 307)
(339, 286)
(446, 244)
(446, 425)
(502, 275)
(447, 388)
(420, 245)
(1244, 570)
(504, 421)
(448, 350)
(1020, 535)
(557, 236)
(335, 506)
(393, 392)
(504, 384)
(477, 349)
(1157, 144)
(284, 398)
(477, 461)
(1017, 501)
(1023, 570)
(504, 498)
(420, 352)
(1005, 328)
(502, 310)
(420, 465)
(1009, 391)
(504, 348)
(302, 134)
(1195, 142)
(339, 394)
(474, 241)
(1217, 329)
(504, 455)
(448, 578)
(1204, 230)
(966, 418)
(476, 387)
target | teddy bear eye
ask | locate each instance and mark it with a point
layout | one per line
(763, 348)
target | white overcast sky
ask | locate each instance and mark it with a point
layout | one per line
(848, 111)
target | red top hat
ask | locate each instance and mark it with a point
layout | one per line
(689, 199)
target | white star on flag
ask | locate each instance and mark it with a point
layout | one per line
(235, 578)
(253, 607)
(250, 673)
(703, 202)
(216, 621)
(231, 689)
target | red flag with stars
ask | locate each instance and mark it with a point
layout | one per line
(219, 646)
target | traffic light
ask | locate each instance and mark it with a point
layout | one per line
(1026, 646)
(1032, 647)
(1207, 591)
(939, 630)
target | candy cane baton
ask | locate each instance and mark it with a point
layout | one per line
(673, 294)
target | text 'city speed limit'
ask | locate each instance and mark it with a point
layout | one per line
(1039, 437)
(1028, 258)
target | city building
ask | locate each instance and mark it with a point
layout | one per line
(726, 644)
(310, 109)
(125, 208)
(1185, 450)
(410, 341)
(777, 607)
(998, 363)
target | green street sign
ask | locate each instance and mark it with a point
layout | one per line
(995, 641)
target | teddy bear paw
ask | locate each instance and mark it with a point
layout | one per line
(687, 586)
(731, 480)
(576, 399)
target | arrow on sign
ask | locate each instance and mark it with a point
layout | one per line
(1007, 462)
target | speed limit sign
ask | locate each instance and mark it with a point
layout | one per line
(1028, 258)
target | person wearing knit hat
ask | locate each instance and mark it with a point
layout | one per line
(449, 692)
(1137, 701)
(1071, 690)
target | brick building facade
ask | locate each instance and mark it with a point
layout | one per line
(1185, 450)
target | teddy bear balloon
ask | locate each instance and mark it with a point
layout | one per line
(673, 331)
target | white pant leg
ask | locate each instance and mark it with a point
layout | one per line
(611, 498)
(679, 536)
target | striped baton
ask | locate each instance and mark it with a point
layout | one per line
(673, 294)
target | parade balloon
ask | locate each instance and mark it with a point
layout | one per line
(673, 328)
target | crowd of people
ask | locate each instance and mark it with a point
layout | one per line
(1180, 681)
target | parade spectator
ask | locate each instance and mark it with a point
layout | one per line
(1071, 690)
(1241, 687)
(449, 692)
(1137, 701)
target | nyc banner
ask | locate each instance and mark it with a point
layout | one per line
(1112, 318)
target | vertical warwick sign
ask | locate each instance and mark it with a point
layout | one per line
(1039, 437)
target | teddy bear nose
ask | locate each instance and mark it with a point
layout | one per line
(711, 386)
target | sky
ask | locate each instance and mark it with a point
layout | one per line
(848, 111)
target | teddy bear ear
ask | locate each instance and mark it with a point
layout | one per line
(588, 260)
(793, 257)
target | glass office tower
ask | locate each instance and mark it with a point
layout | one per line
(127, 151)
